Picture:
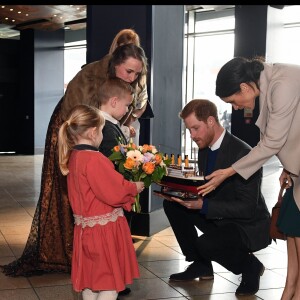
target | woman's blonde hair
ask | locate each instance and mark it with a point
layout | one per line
(80, 119)
(125, 36)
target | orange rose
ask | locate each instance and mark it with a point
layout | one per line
(148, 167)
(146, 148)
(129, 163)
(116, 148)
(158, 159)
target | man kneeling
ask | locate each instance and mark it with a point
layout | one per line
(233, 218)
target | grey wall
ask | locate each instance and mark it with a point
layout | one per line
(167, 76)
(48, 81)
(166, 81)
(75, 35)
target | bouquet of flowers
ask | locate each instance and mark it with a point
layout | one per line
(139, 163)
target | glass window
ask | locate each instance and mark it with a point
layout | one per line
(74, 58)
(290, 45)
(209, 44)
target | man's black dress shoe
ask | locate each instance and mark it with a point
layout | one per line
(125, 292)
(251, 277)
(193, 271)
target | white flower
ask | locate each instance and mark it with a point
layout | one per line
(162, 164)
(154, 150)
(136, 155)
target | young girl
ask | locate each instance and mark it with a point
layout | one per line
(104, 259)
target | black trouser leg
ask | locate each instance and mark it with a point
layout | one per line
(224, 245)
(183, 222)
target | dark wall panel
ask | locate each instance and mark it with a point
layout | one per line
(250, 41)
(9, 87)
(26, 98)
(105, 21)
(102, 28)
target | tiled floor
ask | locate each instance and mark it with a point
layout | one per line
(158, 255)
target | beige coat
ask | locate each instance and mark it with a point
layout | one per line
(279, 123)
(84, 87)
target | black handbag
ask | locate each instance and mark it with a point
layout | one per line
(275, 233)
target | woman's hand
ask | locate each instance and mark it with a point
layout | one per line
(215, 179)
(285, 178)
(132, 131)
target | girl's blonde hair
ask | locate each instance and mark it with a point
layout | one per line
(80, 119)
(125, 36)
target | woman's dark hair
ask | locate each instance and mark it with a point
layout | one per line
(237, 71)
(121, 54)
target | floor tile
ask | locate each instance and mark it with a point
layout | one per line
(154, 288)
(18, 294)
(60, 292)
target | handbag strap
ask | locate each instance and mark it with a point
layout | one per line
(280, 195)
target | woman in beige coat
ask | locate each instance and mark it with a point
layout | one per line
(239, 82)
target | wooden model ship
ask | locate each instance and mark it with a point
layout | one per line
(181, 182)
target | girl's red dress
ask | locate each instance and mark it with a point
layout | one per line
(103, 254)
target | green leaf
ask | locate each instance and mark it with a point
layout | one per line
(167, 161)
(147, 181)
(116, 156)
(143, 175)
(121, 169)
(127, 175)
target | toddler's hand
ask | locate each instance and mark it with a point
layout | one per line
(132, 131)
(140, 186)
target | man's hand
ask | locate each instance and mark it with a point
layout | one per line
(193, 204)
